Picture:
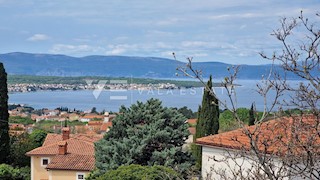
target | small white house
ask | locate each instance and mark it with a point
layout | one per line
(230, 154)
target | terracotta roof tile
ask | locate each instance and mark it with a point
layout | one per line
(192, 121)
(273, 136)
(92, 117)
(72, 162)
(54, 138)
(80, 151)
(192, 130)
(75, 146)
(95, 123)
(105, 126)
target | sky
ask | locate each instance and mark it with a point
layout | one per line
(230, 31)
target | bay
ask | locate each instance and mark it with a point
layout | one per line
(111, 100)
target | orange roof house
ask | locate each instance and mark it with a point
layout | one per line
(105, 127)
(276, 137)
(94, 127)
(89, 117)
(66, 156)
(16, 129)
(192, 130)
(272, 136)
(192, 121)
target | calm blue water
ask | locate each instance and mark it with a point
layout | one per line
(112, 100)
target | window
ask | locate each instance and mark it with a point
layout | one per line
(44, 161)
(80, 176)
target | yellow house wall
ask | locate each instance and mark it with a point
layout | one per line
(64, 174)
(37, 171)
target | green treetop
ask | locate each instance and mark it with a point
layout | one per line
(208, 119)
(144, 134)
(251, 115)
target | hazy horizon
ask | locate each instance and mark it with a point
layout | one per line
(223, 31)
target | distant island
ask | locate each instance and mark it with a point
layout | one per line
(121, 66)
(27, 83)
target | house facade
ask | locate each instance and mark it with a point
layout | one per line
(231, 154)
(63, 156)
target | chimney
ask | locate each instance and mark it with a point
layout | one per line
(106, 117)
(65, 133)
(62, 150)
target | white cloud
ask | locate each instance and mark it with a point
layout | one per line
(116, 51)
(193, 44)
(221, 29)
(163, 45)
(121, 48)
(38, 37)
(149, 49)
(73, 49)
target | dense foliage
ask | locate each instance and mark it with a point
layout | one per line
(20, 120)
(188, 113)
(208, 120)
(20, 144)
(38, 136)
(251, 116)
(48, 125)
(228, 122)
(4, 116)
(8, 172)
(145, 134)
(138, 172)
(25, 108)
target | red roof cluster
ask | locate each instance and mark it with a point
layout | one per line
(79, 152)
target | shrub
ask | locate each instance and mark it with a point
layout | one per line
(138, 172)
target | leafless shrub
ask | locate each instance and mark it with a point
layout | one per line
(289, 146)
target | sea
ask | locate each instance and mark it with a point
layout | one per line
(111, 100)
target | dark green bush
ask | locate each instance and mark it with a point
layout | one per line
(138, 172)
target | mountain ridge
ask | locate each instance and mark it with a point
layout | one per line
(21, 63)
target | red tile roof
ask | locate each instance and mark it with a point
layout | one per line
(72, 162)
(80, 151)
(54, 138)
(273, 136)
(192, 121)
(106, 126)
(89, 116)
(75, 146)
(192, 130)
(95, 123)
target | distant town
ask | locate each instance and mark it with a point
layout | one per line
(26, 87)
(25, 118)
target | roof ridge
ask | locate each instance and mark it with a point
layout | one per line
(276, 131)
(41, 147)
(72, 136)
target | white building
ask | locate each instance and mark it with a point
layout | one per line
(230, 154)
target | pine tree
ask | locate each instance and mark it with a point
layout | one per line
(208, 120)
(4, 116)
(251, 115)
(144, 134)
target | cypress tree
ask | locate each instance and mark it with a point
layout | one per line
(4, 116)
(251, 115)
(208, 119)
